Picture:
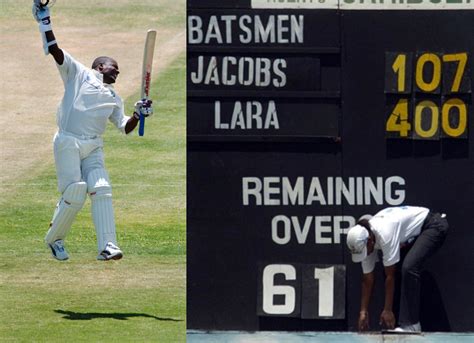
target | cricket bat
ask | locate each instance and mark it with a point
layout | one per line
(146, 73)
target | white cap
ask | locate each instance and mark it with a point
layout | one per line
(357, 237)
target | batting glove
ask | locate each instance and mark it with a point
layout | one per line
(40, 13)
(144, 108)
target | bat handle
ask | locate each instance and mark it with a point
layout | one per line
(141, 128)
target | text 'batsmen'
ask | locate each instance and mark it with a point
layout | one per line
(281, 29)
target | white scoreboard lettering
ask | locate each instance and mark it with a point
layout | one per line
(308, 291)
(270, 290)
(325, 276)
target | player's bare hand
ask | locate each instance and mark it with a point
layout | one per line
(144, 107)
(363, 320)
(387, 319)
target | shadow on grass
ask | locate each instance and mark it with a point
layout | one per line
(119, 316)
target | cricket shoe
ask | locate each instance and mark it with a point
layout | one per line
(58, 251)
(409, 328)
(111, 252)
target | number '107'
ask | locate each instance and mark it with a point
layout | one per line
(428, 72)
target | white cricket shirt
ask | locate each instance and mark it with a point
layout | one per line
(393, 226)
(88, 102)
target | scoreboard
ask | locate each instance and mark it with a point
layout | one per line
(260, 75)
(301, 117)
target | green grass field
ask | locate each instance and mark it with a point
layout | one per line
(140, 298)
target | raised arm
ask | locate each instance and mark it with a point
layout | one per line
(54, 49)
(42, 15)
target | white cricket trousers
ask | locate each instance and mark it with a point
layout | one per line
(75, 157)
(79, 159)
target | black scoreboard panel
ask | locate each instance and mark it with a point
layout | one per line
(255, 228)
(437, 169)
(295, 134)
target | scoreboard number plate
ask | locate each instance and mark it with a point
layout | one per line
(456, 73)
(398, 72)
(428, 68)
(454, 114)
(426, 119)
(399, 118)
(324, 288)
(307, 291)
(279, 290)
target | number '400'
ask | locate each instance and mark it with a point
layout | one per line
(427, 119)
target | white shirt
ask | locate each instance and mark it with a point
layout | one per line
(88, 102)
(393, 226)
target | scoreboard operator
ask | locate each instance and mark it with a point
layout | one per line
(394, 228)
(89, 101)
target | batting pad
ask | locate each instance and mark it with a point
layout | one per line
(102, 211)
(70, 203)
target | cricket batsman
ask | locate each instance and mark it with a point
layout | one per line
(89, 101)
(417, 229)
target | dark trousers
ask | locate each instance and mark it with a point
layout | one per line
(431, 238)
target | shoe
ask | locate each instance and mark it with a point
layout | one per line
(111, 252)
(409, 328)
(58, 251)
